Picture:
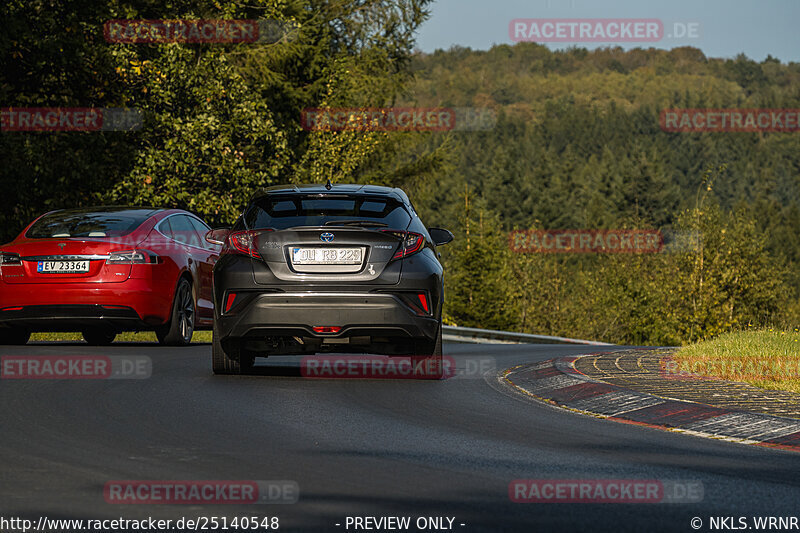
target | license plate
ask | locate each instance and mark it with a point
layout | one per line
(327, 256)
(62, 267)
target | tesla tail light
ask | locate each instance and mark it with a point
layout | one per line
(132, 257)
(9, 258)
(410, 244)
(243, 242)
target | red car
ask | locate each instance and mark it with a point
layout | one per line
(105, 270)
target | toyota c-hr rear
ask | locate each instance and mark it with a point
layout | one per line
(335, 268)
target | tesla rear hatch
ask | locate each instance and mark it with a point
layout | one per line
(77, 246)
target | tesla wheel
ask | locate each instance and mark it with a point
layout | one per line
(14, 336)
(179, 330)
(428, 363)
(230, 361)
(98, 336)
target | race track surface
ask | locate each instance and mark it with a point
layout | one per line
(356, 447)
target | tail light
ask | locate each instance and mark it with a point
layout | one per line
(326, 329)
(411, 243)
(10, 258)
(243, 242)
(417, 301)
(423, 300)
(132, 257)
(229, 301)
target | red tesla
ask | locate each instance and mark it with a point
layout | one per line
(105, 270)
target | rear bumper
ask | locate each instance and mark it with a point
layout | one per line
(130, 305)
(71, 317)
(295, 314)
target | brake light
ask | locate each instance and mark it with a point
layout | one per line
(243, 242)
(132, 257)
(10, 258)
(240, 242)
(411, 243)
(326, 329)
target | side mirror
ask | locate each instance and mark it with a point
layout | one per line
(217, 236)
(440, 236)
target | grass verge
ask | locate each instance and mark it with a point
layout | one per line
(768, 359)
(128, 336)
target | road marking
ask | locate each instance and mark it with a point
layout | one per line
(558, 382)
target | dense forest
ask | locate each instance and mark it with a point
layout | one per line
(577, 145)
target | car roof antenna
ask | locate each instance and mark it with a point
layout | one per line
(329, 184)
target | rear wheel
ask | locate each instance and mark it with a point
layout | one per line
(232, 360)
(428, 363)
(14, 336)
(179, 330)
(99, 336)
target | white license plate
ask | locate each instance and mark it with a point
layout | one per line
(62, 267)
(327, 256)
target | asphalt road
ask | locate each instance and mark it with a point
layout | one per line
(356, 447)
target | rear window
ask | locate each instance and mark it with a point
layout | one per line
(279, 212)
(184, 231)
(66, 224)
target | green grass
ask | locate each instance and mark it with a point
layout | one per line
(767, 358)
(142, 336)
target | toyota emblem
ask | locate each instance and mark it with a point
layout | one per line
(326, 237)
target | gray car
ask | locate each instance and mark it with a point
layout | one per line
(316, 269)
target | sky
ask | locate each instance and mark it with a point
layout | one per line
(725, 28)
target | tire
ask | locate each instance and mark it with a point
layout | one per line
(180, 328)
(14, 336)
(230, 362)
(428, 364)
(99, 336)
